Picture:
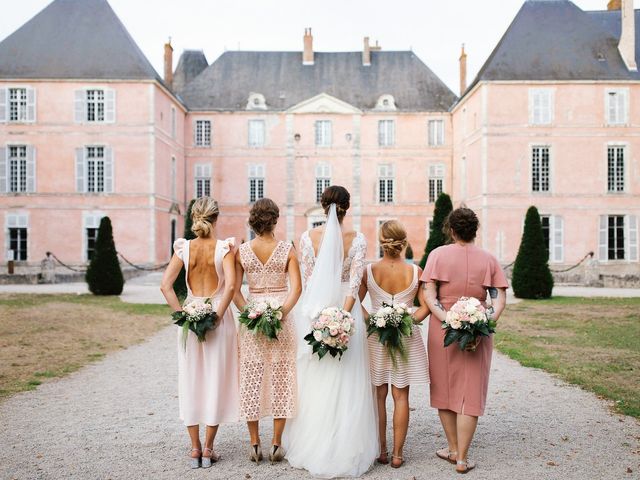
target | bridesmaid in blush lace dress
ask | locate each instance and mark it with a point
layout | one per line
(207, 371)
(267, 367)
(460, 379)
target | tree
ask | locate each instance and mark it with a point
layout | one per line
(531, 275)
(408, 254)
(436, 235)
(180, 285)
(104, 275)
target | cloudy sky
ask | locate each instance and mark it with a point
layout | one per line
(433, 29)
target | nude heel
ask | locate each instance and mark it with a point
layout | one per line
(255, 453)
(276, 454)
(195, 461)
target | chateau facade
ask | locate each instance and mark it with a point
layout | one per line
(88, 128)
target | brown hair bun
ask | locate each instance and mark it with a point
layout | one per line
(263, 216)
(463, 223)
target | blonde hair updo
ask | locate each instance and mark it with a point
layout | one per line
(393, 238)
(204, 213)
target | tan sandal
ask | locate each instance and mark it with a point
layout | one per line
(445, 454)
(467, 464)
(385, 460)
(396, 465)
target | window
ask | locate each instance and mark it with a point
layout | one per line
(615, 237)
(91, 226)
(94, 169)
(618, 238)
(615, 168)
(202, 176)
(17, 231)
(95, 105)
(386, 133)
(540, 106)
(545, 220)
(18, 164)
(436, 133)
(436, 181)
(385, 183)
(17, 104)
(256, 133)
(203, 133)
(174, 123)
(553, 234)
(256, 182)
(616, 106)
(323, 133)
(323, 179)
(540, 169)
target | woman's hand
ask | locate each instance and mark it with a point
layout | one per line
(472, 346)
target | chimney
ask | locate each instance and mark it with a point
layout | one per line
(307, 55)
(627, 44)
(168, 64)
(463, 71)
(366, 53)
(376, 47)
(614, 5)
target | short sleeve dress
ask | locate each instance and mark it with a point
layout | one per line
(460, 379)
(208, 390)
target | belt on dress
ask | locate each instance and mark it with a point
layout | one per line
(268, 290)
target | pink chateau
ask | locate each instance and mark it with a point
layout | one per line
(88, 128)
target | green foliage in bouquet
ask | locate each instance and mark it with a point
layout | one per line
(392, 337)
(180, 284)
(200, 328)
(465, 337)
(443, 207)
(531, 275)
(104, 276)
(266, 324)
(322, 348)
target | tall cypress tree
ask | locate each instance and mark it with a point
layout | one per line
(104, 276)
(180, 285)
(436, 235)
(531, 275)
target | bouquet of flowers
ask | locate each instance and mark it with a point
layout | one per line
(392, 323)
(466, 321)
(264, 317)
(197, 316)
(331, 332)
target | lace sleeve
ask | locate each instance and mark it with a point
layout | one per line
(357, 264)
(307, 257)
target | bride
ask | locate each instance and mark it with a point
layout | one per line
(334, 433)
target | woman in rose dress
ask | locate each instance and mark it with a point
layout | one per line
(207, 371)
(267, 367)
(392, 281)
(460, 379)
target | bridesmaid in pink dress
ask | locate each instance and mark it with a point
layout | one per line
(268, 384)
(460, 379)
(207, 371)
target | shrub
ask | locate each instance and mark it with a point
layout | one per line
(180, 285)
(408, 254)
(436, 235)
(531, 275)
(104, 276)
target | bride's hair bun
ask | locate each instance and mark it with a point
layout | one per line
(204, 213)
(338, 195)
(393, 237)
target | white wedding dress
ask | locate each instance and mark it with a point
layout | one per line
(335, 432)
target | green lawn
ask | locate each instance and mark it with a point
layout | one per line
(591, 342)
(47, 336)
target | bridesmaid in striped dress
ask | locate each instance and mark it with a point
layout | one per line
(392, 281)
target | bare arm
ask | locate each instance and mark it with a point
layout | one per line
(363, 293)
(166, 286)
(238, 298)
(423, 310)
(295, 283)
(499, 302)
(229, 269)
(431, 295)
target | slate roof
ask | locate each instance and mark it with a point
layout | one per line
(75, 39)
(190, 65)
(556, 40)
(284, 81)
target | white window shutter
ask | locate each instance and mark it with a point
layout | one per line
(602, 244)
(622, 106)
(109, 105)
(4, 152)
(3, 104)
(632, 235)
(80, 171)
(207, 170)
(79, 106)
(31, 169)
(108, 170)
(557, 251)
(31, 104)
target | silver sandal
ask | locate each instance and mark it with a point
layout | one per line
(212, 458)
(195, 461)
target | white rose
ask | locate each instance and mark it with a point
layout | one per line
(274, 304)
(262, 306)
(279, 315)
(317, 335)
(470, 308)
(346, 326)
(474, 301)
(380, 322)
(387, 310)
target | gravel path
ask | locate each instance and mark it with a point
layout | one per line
(117, 419)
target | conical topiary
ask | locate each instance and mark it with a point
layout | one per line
(408, 254)
(531, 275)
(180, 285)
(104, 276)
(436, 235)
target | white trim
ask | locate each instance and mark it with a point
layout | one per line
(16, 219)
(323, 103)
(530, 169)
(546, 116)
(626, 170)
(621, 120)
(90, 219)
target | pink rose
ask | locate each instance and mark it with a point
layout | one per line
(333, 332)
